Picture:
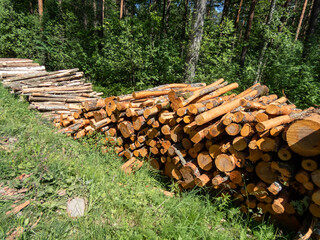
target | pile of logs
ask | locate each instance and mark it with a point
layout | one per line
(52, 93)
(258, 148)
(12, 67)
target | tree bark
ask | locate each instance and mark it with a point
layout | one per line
(313, 18)
(248, 32)
(121, 8)
(236, 23)
(301, 18)
(308, 18)
(312, 26)
(195, 40)
(265, 42)
(40, 6)
(100, 17)
(225, 10)
(94, 7)
(184, 26)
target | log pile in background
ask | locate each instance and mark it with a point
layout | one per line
(52, 93)
(242, 144)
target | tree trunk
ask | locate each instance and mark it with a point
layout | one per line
(313, 18)
(283, 19)
(308, 18)
(265, 42)
(100, 17)
(195, 40)
(312, 26)
(236, 24)
(248, 32)
(121, 8)
(31, 7)
(301, 18)
(94, 7)
(184, 26)
(225, 10)
(167, 14)
(40, 6)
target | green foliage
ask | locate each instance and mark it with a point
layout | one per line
(217, 53)
(143, 50)
(19, 33)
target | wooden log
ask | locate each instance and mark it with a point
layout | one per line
(126, 129)
(200, 134)
(176, 133)
(277, 130)
(302, 176)
(101, 123)
(218, 92)
(315, 176)
(247, 130)
(235, 176)
(240, 143)
(316, 197)
(225, 163)
(303, 136)
(205, 161)
(202, 180)
(284, 153)
(252, 105)
(274, 122)
(131, 165)
(265, 172)
(267, 144)
(250, 89)
(309, 165)
(217, 128)
(280, 110)
(268, 99)
(203, 91)
(218, 179)
(314, 209)
(215, 150)
(217, 112)
(233, 129)
(278, 205)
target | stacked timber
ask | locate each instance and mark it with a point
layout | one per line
(52, 93)
(256, 147)
(12, 67)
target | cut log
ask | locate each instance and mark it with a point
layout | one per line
(309, 165)
(265, 172)
(303, 136)
(225, 163)
(205, 161)
(217, 112)
(315, 176)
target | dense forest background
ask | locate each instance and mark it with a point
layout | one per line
(125, 45)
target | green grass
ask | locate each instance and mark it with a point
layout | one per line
(119, 206)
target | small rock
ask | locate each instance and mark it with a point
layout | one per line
(76, 207)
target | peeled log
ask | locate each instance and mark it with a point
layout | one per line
(217, 112)
(303, 136)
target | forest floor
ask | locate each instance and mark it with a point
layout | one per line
(43, 170)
